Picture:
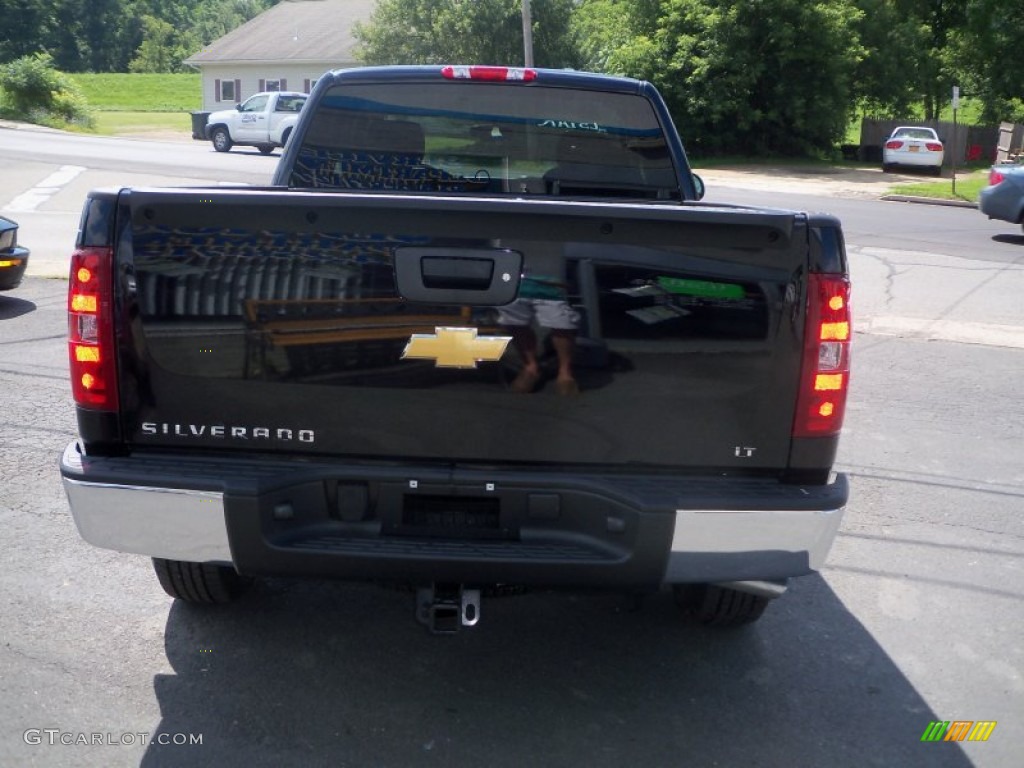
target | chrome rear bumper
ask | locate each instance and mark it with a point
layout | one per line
(160, 522)
(719, 546)
(751, 550)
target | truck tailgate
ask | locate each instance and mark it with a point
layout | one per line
(280, 321)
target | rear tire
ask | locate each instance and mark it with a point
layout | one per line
(265, 149)
(718, 606)
(202, 583)
(221, 139)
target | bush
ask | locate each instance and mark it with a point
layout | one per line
(1012, 110)
(36, 92)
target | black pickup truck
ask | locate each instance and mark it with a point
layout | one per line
(479, 334)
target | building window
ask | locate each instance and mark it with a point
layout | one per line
(272, 85)
(227, 91)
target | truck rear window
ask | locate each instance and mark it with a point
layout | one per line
(485, 138)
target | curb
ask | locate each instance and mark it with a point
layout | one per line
(929, 201)
(13, 125)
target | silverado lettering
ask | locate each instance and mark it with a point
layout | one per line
(219, 430)
(551, 363)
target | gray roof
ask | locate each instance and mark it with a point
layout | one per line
(293, 31)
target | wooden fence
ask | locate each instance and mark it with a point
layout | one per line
(1010, 148)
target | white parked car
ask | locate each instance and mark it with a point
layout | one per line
(914, 145)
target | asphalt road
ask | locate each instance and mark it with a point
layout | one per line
(917, 616)
(47, 175)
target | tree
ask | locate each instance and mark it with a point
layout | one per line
(115, 35)
(466, 32)
(936, 73)
(26, 23)
(611, 32)
(213, 19)
(109, 32)
(988, 53)
(172, 30)
(79, 35)
(740, 76)
(889, 79)
(161, 49)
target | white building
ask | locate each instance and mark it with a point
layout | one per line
(285, 48)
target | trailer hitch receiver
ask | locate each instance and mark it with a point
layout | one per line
(445, 608)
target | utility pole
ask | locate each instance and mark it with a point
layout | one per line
(527, 35)
(956, 104)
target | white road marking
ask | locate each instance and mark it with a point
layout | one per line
(44, 190)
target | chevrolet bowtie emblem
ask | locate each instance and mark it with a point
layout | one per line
(455, 347)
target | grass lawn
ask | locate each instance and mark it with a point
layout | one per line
(129, 123)
(138, 104)
(141, 92)
(968, 185)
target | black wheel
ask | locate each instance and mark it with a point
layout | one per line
(265, 149)
(200, 582)
(718, 606)
(887, 167)
(221, 139)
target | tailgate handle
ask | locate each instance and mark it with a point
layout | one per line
(466, 276)
(470, 274)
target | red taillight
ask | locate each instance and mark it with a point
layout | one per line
(932, 146)
(893, 144)
(91, 329)
(488, 73)
(995, 177)
(825, 372)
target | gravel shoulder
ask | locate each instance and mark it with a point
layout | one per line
(829, 181)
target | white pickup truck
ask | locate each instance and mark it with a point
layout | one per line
(264, 121)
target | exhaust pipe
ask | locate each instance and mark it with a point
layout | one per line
(767, 589)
